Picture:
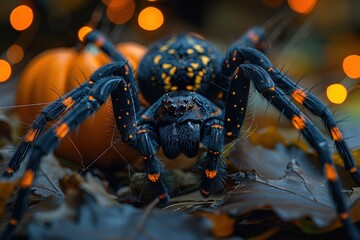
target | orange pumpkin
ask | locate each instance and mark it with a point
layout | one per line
(57, 71)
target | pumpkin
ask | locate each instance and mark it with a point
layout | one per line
(57, 71)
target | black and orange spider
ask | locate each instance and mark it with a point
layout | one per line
(194, 95)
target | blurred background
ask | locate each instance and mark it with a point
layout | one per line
(315, 41)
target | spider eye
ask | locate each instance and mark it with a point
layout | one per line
(173, 108)
(183, 108)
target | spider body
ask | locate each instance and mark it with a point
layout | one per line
(179, 116)
(193, 94)
(180, 62)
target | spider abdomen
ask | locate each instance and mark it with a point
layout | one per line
(180, 62)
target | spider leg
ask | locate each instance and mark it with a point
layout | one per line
(59, 106)
(266, 86)
(49, 113)
(98, 39)
(48, 141)
(312, 103)
(255, 37)
(148, 146)
(212, 164)
(307, 99)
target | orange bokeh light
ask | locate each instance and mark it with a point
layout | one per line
(15, 54)
(21, 17)
(5, 70)
(336, 93)
(351, 66)
(120, 11)
(150, 18)
(83, 31)
(302, 6)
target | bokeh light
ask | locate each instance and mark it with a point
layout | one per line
(120, 11)
(21, 17)
(15, 54)
(150, 18)
(302, 6)
(5, 70)
(336, 93)
(351, 66)
(83, 31)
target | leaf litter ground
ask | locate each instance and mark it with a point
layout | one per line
(279, 193)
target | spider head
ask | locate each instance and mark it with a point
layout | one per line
(177, 103)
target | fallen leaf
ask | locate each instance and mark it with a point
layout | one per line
(270, 163)
(47, 180)
(179, 182)
(292, 197)
(223, 224)
(6, 188)
(96, 220)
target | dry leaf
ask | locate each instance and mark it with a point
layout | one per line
(294, 196)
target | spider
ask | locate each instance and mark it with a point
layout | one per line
(193, 94)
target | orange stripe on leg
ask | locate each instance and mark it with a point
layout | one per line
(162, 196)
(298, 122)
(210, 173)
(13, 221)
(330, 172)
(30, 135)
(68, 102)
(62, 130)
(27, 179)
(299, 95)
(217, 126)
(9, 170)
(353, 170)
(336, 134)
(153, 177)
(344, 215)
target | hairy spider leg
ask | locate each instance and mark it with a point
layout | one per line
(275, 95)
(98, 39)
(49, 140)
(213, 166)
(123, 100)
(255, 37)
(58, 107)
(49, 113)
(147, 143)
(309, 101)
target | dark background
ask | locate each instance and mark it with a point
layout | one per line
(310, 47)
